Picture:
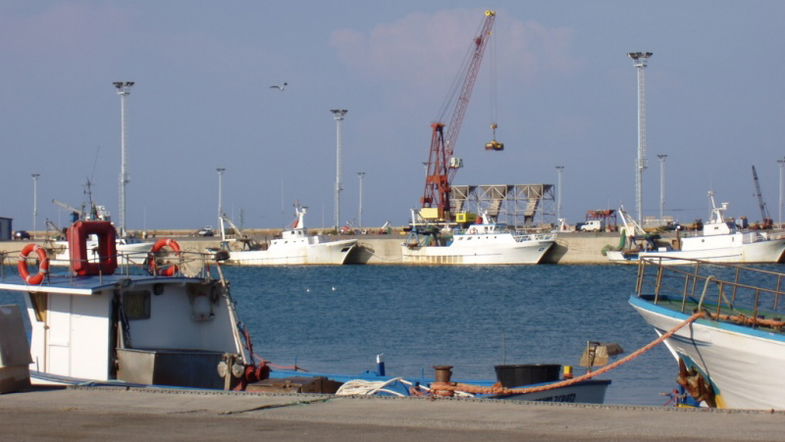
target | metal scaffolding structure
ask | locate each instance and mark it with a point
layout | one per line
(515, 204)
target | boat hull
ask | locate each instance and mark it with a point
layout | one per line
(744, 365)
(328, 253)
(769, 251)
(530, 252)
(133, 253)
(587, 392)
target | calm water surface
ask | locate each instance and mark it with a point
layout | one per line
(336, 319)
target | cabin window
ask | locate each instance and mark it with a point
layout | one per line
(136, 304)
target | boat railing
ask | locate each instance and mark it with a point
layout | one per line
(752, 296)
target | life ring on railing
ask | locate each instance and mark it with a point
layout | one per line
(170, 270)
(43, 266)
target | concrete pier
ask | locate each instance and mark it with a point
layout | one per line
(109, 413)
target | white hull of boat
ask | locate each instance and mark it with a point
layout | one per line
(529, 252)
(769, 251)
(327, 253)
(743, 364)
(132, 253)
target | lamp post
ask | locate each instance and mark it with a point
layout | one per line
(220, 171)
(640, 62)
(781, 163)
(35, 202)
(662, 158)
(559, 172)
(361, 176)
(123, 90)
(338, 114)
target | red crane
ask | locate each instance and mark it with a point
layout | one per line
(442, 166)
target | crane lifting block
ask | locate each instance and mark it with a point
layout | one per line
(494, 145)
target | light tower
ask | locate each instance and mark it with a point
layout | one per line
(123, 90)
(782, 165)
(640, 60)
(35, 202)
(559, 172)
(662, 158)
(220, 171)
(361, 176)
(338, 114)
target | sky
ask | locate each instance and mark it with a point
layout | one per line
(565, 94)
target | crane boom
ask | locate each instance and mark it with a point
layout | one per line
(68, 207)
(442, 165)
(764, 211)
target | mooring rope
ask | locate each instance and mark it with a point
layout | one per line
(445, 388)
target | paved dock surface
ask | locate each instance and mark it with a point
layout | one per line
(85, 413)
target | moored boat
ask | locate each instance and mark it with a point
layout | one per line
(483, 243)
(720, 240)
(732, 353)
(295, 247)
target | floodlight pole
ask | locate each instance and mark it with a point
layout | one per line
(640, 60)
(662, 158)
(559, 172)
(338, 114)
(123, 90)
(361, 176)
(35, 203)
(220, 171)
(781, 163)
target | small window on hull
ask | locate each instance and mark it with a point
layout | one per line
(137, 304)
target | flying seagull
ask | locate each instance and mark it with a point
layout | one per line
(280, 87)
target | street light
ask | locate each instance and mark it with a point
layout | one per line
(360, 175)
(782, 165)
(35, 202)
(640, 62)
(662, 158)
(123, 90)
(338, 114)
(559, 171)
(220, 171)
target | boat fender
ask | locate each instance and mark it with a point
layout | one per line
(43, 266)
(169, 270)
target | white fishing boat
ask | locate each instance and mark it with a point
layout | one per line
(104, 322)
(295, 247)
(732, 356)
(129, 251)
(719, 241)
(482, 243)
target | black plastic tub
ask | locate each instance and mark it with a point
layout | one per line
(524, 374)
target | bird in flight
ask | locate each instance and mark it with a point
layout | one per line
(280, 87)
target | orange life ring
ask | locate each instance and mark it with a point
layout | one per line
(43, 266)
(170, 270)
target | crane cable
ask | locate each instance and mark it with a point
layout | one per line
(494, 89)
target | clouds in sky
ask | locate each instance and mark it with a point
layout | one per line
(424, 49)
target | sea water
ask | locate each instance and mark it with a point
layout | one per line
(338, 318)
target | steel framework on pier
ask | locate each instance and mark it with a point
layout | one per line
(514, 204)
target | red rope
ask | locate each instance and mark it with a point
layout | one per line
(445, 388)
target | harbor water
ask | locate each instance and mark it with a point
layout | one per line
(337, 318)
